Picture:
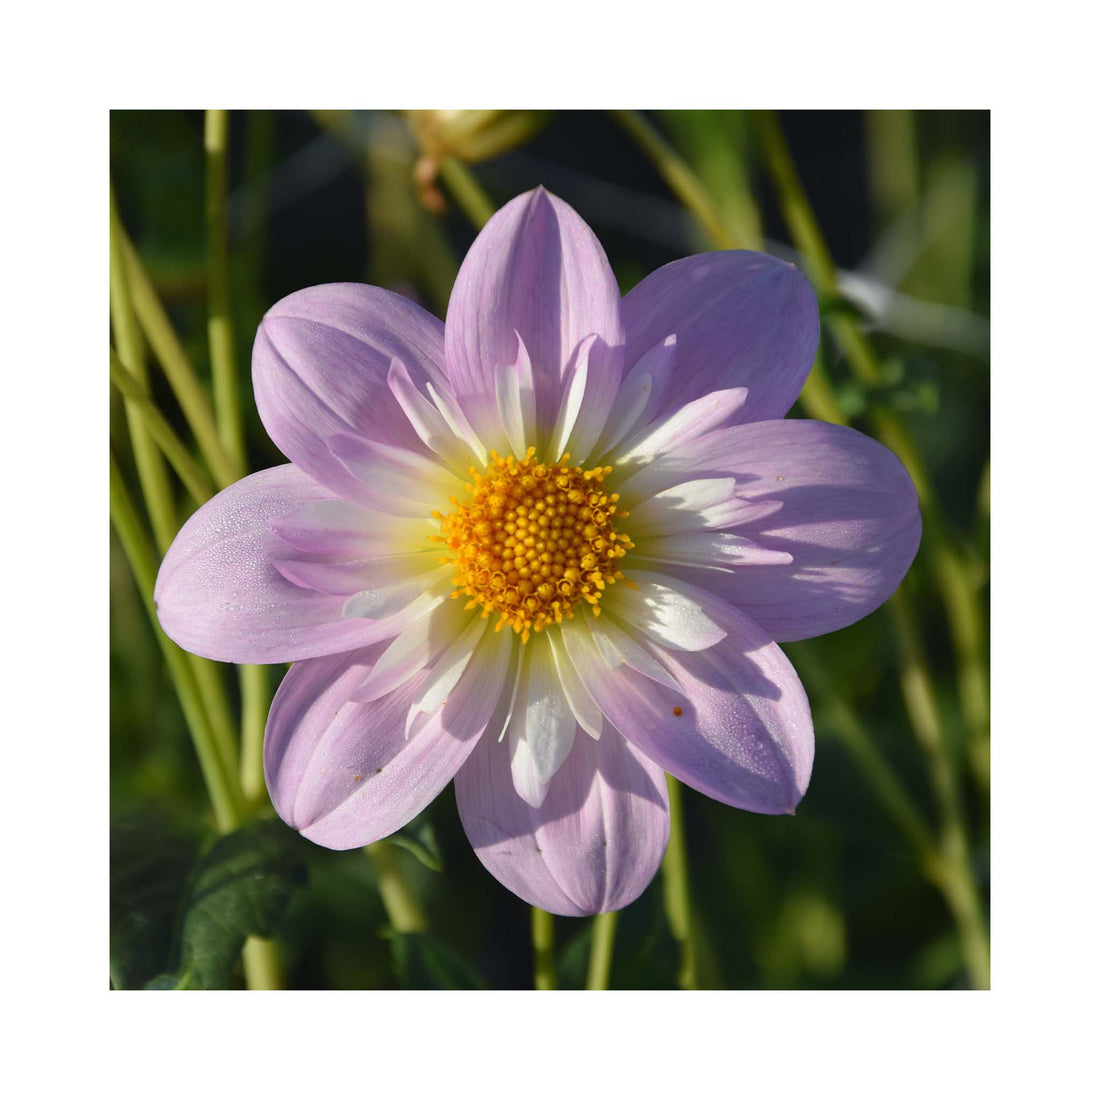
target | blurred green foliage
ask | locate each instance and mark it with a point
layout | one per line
(834, 897)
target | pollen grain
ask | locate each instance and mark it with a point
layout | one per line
(532, 540)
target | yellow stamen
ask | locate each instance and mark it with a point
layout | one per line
(534, 538)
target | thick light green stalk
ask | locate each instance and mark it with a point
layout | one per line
(817, 395)
(177, 368)
(208, 675)
(248, 258)
(211, 687)
(153, 476)
(674, 869)
(542, 942)
(683, 182)
(402, 908)
(466, 191)
(603, 941)
(227, 405)
(260, 960)
(716, 146)
(150, 464)
(255, 701)
(225, 794)
(262, 968)
(137, 396)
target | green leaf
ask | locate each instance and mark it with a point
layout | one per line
(151, 857)
(422, 961)
(163, 981)
(419, 838)
(241, 888)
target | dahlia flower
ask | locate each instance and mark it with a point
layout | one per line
(545, 550)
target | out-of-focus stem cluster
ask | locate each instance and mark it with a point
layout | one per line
(232, 765)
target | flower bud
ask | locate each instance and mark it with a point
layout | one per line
(473, 136)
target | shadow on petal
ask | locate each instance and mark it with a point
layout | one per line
(593, 845)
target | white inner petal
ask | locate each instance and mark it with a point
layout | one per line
(394, 480)
(584, 707)
(349, 577)
(690, 421)
(641, 390)
(738, 511)
(337, 527)
(571, 404)
(664, 612)
(595, 407)
(542, 726)
(425, 590)
(516, 399)
(685, 507)
(608, 635)
(412, 650)
(502, 716)
(426, 419)
(457, 422)
(709, 550)
(593, 641)
(449, 668)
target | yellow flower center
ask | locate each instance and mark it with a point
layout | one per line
(532, 539)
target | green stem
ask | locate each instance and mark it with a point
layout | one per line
(542, 941)
(958, 594)
(253, 680)
(225, 794)
(960, 889)
(817, 396)
(682, 181)
(255, 700)
(797, 211)
(967, 625)
(250, 254)
(401, 905)
(137, 397)
(892, 161)
(466, 191)
(262, 969)
(603, 941)
(844, 721)
(946, 864)
(152, 474)
(960, 600)
(211, 687)
(208, 675)
(227, 405)
(177, 368)
(677, 887)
